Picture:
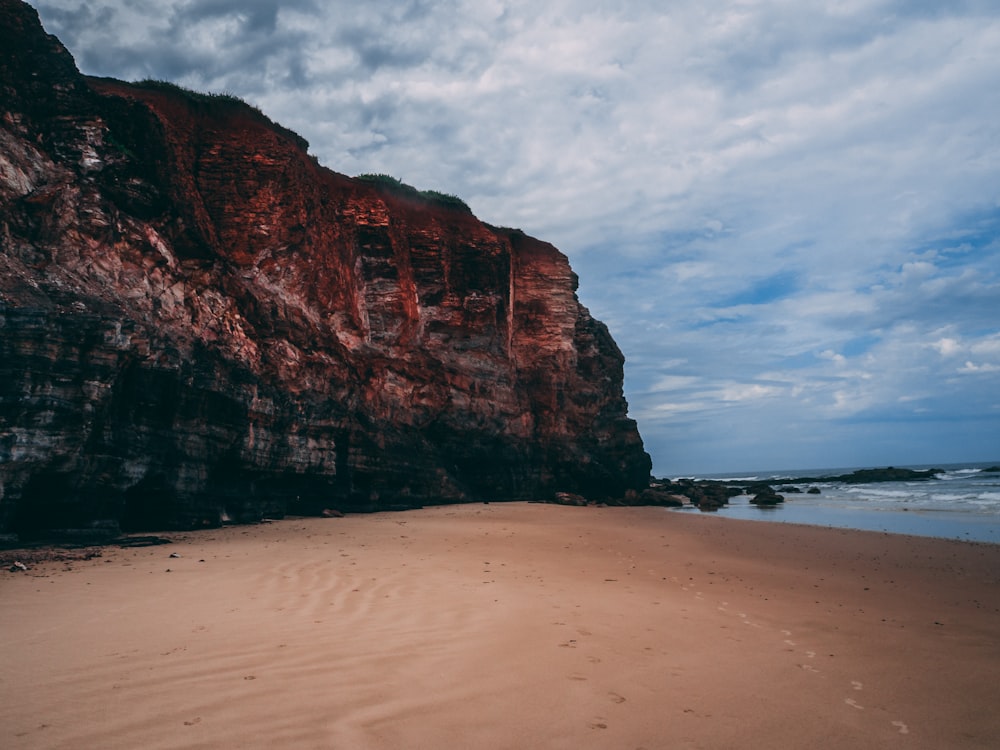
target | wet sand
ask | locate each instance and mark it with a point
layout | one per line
(507, 626)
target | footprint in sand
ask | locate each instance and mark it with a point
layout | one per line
(809, 668)
(811, 654)
(903, 729)
(790, 642)
(853, 704)
(616, 698)
(857, 685)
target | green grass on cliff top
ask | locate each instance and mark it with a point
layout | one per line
(220, 101)
(394, 185)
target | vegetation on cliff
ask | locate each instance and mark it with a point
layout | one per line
(220, 102)
(398, 187)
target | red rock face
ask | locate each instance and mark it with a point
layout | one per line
(198, 322)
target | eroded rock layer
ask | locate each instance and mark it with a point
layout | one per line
(199, 322)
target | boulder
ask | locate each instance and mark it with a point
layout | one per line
(569, 498)
(767, 499)
(661, 498)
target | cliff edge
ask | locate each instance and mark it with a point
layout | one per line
(198, 322)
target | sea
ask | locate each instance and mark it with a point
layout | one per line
(962, 502)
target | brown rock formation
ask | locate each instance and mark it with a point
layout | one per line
(197, 321)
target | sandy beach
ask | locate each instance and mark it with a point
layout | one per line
(507, 626)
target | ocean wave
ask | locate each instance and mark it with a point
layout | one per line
(945, 497)
(988, 506)
(947, 476)
(880, 494)
(720, 478)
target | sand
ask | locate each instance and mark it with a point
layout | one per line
(507, 626)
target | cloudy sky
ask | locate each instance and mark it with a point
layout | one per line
(787, 212)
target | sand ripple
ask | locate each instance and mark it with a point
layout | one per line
(504, 626)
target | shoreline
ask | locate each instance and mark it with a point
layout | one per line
(924, 524)
(508, 625)
(952, 501)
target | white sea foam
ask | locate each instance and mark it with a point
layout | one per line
(880, 493)
(986, 504)
(947, 476)
(942, 497)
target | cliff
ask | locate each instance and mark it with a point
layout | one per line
(200, 323)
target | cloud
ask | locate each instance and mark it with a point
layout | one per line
(787, 213)
(947, 347)
(971, 367)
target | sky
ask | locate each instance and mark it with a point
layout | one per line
(787, 212)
